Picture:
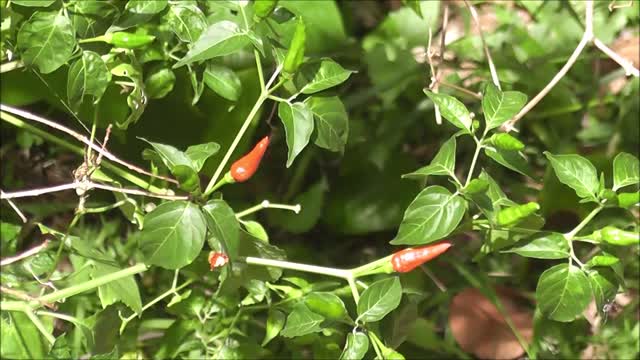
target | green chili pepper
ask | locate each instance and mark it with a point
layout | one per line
(123, 39)
(263, 8)
(614, 236)
(295, 55)
(476, 186)
(326, 304)
(514, 214)
(627, 200)
(505, 141)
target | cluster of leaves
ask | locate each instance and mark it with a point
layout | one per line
(151, 67)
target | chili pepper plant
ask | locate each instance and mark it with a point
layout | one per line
(313, 179)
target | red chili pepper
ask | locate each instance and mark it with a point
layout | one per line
(246, 166)
(217, 259)
(409, 259)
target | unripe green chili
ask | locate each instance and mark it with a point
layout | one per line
(626, 200)
(326, 304)
(263, 8)
(123, 39)
(295, 55)
(505, 141)
(614, 236)
(514, 214)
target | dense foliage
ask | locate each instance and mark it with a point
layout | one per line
(141, 220)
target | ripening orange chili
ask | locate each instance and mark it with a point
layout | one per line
(217, 259)
(409, 259)
(246, 166)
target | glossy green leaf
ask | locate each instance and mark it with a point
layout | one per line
(146, 6)
(604, 286)
(170, 156)
(544, 246)
(124, 289)
(301, 321)
(499, 106)
(331, 122)
(379, 299)
(46, 40)
(275, 323)
(159, 83)
(322, 75)
(511, 160)
(60, 349)
(295, 55)
(356, 346)
(223, 81)
(198, 154)
(220, 39)
(173, 234)
(432, 215)
(452, 109)
(563, 292)
(626, 170)
(33, 3)
(20, 338)
(327, 304)
(256, 230)
(444, 163)
(186, 20)
(298, 125)
(576, 172)
(87, 76)
(414, 5)
(223, 226)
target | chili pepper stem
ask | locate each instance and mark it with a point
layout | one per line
(341, 273)
(265, 204)
(375, 267)
(226, 179)
(100, 38)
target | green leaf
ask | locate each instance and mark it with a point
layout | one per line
(124, 289)
(301, 321)
(173, 234)
(321, 76)
(220, 39)
(452, 109)
(171, 156)
(626, 170)
(9, 234)
(275, 323)
(186, 20)
(223, 81)
(159, 82)
(379, 299)
(20, 338)
(46, 40)
(563, 292)
(198, 154)
(356, 346)
(544, 246)
(60, 349)
(33, 3)
(87, 76)
(331, 122)
(444, 163)
(256, 230)
(511, 160)
(577, 173)
(432, 215)
(415, 6)
(498, 106)
(298, 125)
(223, 226)
(604, 286)
(148, 7)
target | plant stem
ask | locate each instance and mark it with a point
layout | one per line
(265, 204)
(36, 321)
(366, 269)
(91, 284)
(80, 151)
(570, 235)
(474, 160)
(354, 289)
(341, 273)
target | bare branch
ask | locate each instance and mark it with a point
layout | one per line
(83, 139)
(627, 65)
(492, 67)
(41, 191)
(15, 208)
(34, 250)
(24, 296)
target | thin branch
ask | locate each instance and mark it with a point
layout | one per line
(83, 139)
(461, 89)
(434, 79)
(34, 250)
(627, 65)
(9, 66)
(24, 296)
(85, 186)
(492, 67)
(16, 209)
